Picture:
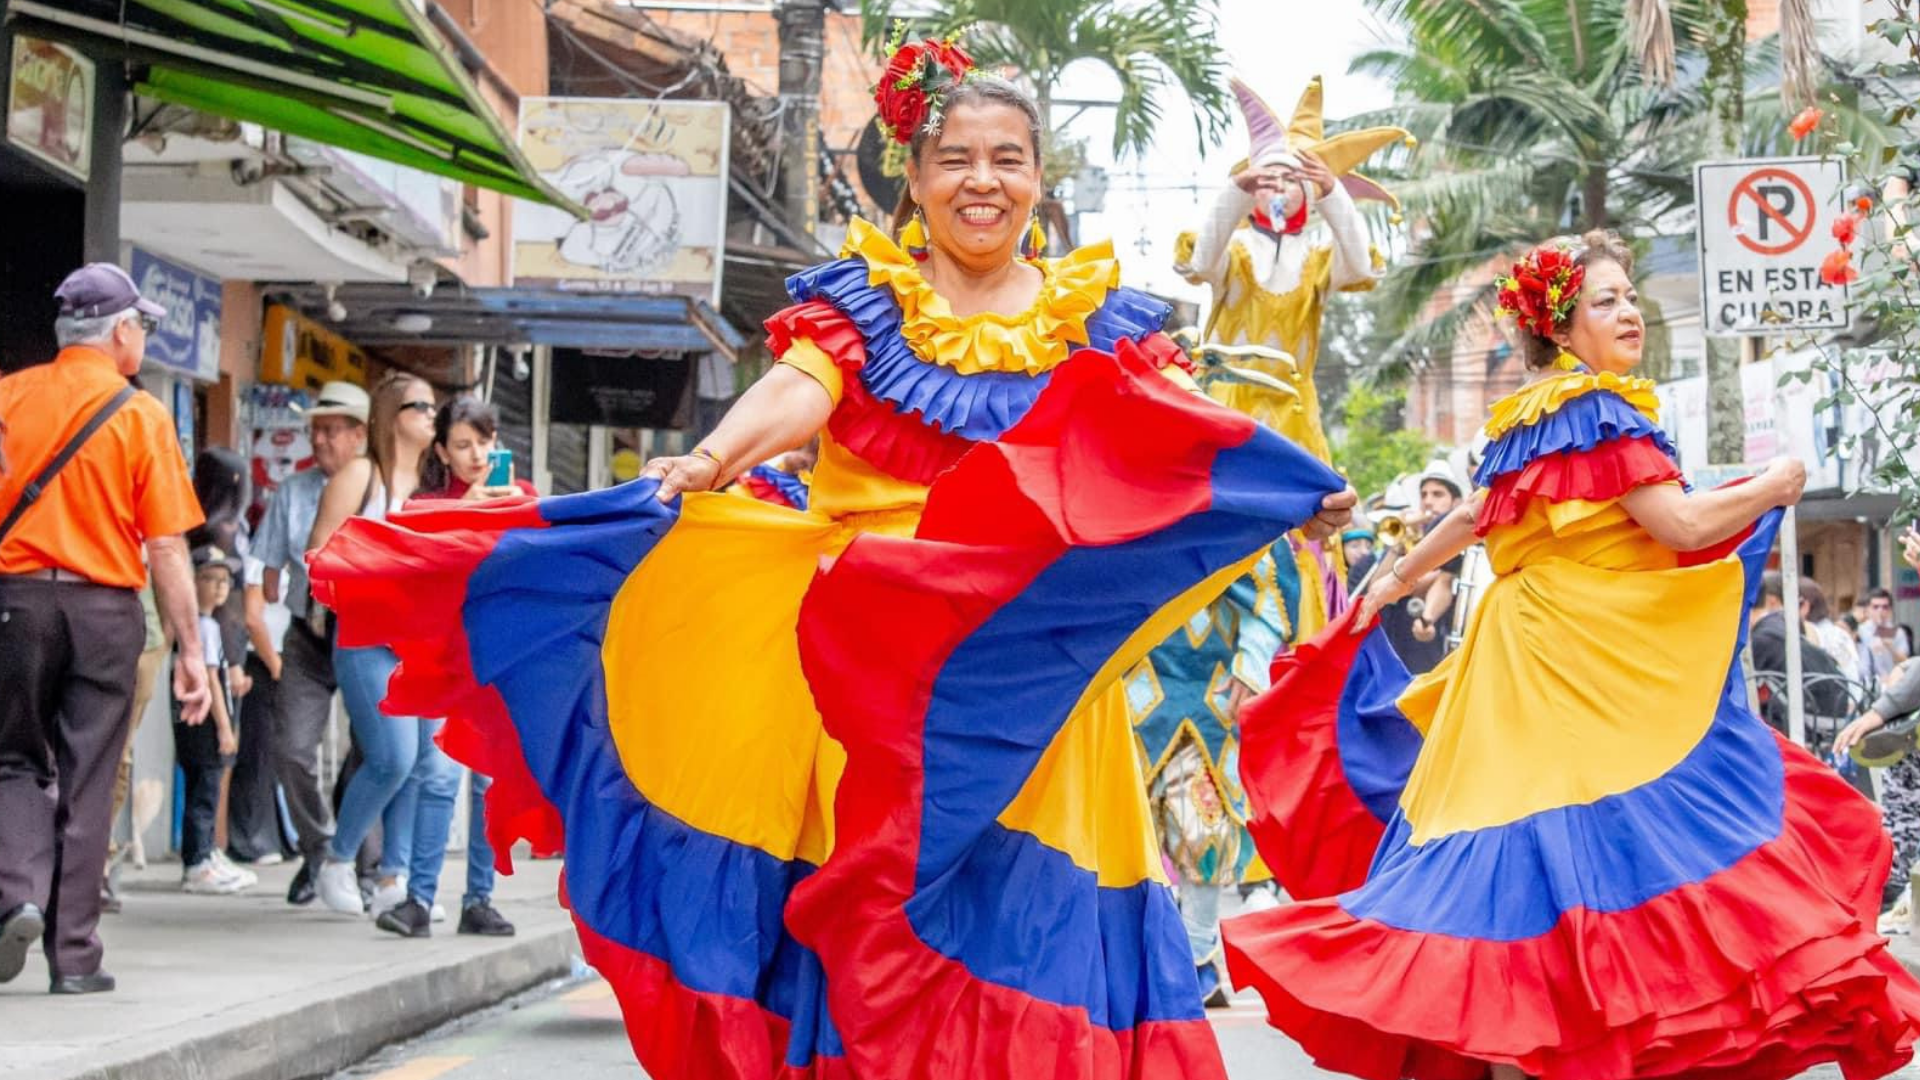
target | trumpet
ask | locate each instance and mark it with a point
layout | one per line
(1398, 532)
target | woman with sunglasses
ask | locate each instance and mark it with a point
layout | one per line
(405, 781)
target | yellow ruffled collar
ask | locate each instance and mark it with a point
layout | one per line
(1034, 341)
(1527, 405)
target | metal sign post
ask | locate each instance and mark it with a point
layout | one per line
(1790, 598)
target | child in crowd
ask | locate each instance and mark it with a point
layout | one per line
(205, 751)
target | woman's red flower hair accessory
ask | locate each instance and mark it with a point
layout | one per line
(912, 89)
(1541, 290)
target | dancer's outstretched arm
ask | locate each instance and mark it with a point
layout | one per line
(1440, 546)
(780, 412)
(1686, 522)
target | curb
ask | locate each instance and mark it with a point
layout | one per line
(280, 1040)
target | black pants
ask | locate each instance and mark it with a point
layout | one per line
(197, 751)
(69, 654)
(302, 708)
(253, 814)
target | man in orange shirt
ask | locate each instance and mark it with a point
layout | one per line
(71, 627)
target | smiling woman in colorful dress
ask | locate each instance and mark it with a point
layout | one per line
(852, 791)
(1585, 854)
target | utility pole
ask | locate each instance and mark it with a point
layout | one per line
(1726, 34)
(802, 50)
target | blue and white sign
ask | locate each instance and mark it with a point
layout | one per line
(188, 340)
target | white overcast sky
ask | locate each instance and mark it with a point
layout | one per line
(1273, 47)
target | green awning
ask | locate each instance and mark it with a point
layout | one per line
(372, 76)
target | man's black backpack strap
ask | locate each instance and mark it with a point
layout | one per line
(33, 490)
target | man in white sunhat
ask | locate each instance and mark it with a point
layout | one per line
(302, 682)
(1417, 625)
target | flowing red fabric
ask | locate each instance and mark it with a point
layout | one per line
(1316, 836)
(1683, 985)
(1608, 471)
(889, 440)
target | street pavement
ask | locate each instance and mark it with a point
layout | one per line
(246, 988)
(572, 1028)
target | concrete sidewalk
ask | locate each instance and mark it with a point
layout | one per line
(249, 988)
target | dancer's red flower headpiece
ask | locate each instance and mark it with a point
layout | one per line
(1541, 290)
(917, 77)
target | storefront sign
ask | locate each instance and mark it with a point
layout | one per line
(295, 351)
(276, 423)
(50, 105)
(188, 339)
(1765, 227)
(619, 389)
(653, 175)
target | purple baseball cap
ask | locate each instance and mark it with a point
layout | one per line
(101, 288)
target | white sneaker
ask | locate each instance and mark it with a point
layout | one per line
(206, 879)
(438, 914)
(387, 897)
(247, 878)
(339, 888)
(271, 858)
(1265, 898)
(1899, 918)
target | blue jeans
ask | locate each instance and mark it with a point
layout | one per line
(404, 780)
(479, 852)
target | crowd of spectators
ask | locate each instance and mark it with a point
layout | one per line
(114, 557)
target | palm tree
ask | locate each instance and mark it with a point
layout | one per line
(1149, 46)
(1545, 116)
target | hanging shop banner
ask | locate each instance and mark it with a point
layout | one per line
(295, 351)
(188, 339)
(1766, 224)
(653, 176)
(50, 105)
(277, 440)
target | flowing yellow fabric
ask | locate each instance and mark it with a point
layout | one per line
(753, 561)
(1095, 761)
(1618, 652)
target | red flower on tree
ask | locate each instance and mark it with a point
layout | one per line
(1803, 125)
(1837, 268)
(1845, 228)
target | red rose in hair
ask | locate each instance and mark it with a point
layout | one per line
(904, 111)
(952, 57)
(1541, 291)
(916, 77)
(902, 65)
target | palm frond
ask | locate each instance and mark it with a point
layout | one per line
(1650, 24)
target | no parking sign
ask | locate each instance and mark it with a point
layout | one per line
(1765, 226)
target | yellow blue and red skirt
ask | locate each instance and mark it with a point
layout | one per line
(838, 805)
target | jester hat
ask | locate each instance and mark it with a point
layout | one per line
(1274, 140)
